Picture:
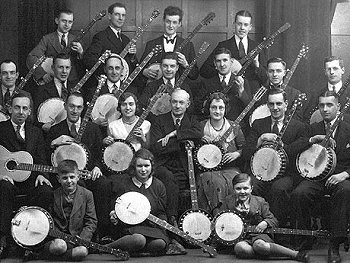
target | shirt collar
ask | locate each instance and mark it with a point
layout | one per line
(279, 121)
(244, 41)
(278, 86)
(110, 84)
(58, 83)
(77, 124)
(4, 89)
(170, 37)
(227, 77)
(139, 184)
(174, 118)
(60, 34)
(116, 31)
(172, 81)
(15, 125)
(337, 86)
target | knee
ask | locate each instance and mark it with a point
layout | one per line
(156, 245)
(139, 241)
(261, 247)
(298, 194)
(243, 250)
(79, 253)
(58, 247)
(6, 187)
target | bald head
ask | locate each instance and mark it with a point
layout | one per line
(180, 101)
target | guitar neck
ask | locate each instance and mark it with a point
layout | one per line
(344, 86)
(290, 73)
(87, 75)
(208, 249)
(121, 255)
(290, 231)
(192, 180)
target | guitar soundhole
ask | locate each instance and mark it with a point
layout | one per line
(11, 165)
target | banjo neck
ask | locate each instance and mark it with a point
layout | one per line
(136, 71)
(344, 86)
(192, 180)
(290, 231)
(139, 33)
(120, 254)
(87, 115)
(204, 22)
(88, 74)
(208, 249)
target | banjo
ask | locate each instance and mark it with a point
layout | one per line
(195, 222)
(263, 111)
(209, 156)
(271, 160)
(134, 208)
(106, 105)
(47, 63)
(19, 165)
(77, 151)
(163, 105)
(31, 226)
(118, 156)
(228, 229)
(319, 161)
(209, 17)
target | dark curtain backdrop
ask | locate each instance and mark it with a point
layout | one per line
(310, 23)
(35, 19)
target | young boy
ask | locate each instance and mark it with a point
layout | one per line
(254, 210)
(73, 213)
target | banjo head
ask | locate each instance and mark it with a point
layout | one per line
(52, 110)
(132, 208)
(208, 157)
(260, 112)
(156, 66)
(30, 226)
(3, 117)
(105, 109)
(73, 151)
(162, 105)
(228, 228)
(118, 156)
(196, 224)
(316, 117)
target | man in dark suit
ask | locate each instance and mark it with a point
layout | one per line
(168, 131)
(58, 87)
(294, 140)
(111, 39)
(308, 193)
(66, 132)
(54, 43)
(240, 45)
(17, 134)
(172, 20)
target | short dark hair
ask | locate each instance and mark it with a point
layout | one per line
(240, 178)
(142, 153)
(333, 58)
(63, 11)
(22, 94)
(216, 96)
(222, 50)
(173, 11)
(274, 91)
(170, 55)
(76, 94)
(114, 56)
(61, 56)
(112, 6)
(245, 13)
(8, 61)
(67, 166)
(126, 95)
(330, 93)
(277, 60)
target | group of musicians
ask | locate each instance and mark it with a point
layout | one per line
(202, 111)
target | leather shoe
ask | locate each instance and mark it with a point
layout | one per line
(303, 256)
(333, 256)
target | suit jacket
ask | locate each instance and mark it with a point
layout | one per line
(255, 76)
(295, 139)
(190, 129)
(91, 138)
(342, 139)
(259, 210)
(107, 40)
(50, 46)
(188, 52)
(34, 144)
(82, 220)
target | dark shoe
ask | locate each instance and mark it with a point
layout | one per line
(3, 247)
(30, 255)
(175, 248)
(303, 256)
(333, 256)
(106, 240)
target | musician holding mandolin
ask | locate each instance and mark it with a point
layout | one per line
(17, 134)
(337, 165)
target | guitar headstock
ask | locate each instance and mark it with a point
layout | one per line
(189, 145)
(322, 233)
(303, 51)
(283, 28)
(101, 81)
(155, 14)
(258, 95)
(299, 101)
(39, 61)
(203, 48)
(100, 15)
(120, 254)
(157, 49)
(208, 18)
(84, 174)
(104, 56)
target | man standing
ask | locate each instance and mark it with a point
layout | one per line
(240, 45)
(54, 43)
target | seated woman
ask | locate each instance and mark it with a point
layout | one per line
(120, 129)
(213, 187)
(144, 237)
(254, 210)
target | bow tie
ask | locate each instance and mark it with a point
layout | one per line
(172, 41)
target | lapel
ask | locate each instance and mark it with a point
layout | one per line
(234, 46)
(78, 201)
(58, 195)
(1, 97)
(179, 40)
(51, 90)
(55, 42)
(30, 137)
(113, 38)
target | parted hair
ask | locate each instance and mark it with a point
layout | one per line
(240, 178)
(112, 6)
(61, 56)
(277, 60)
(126, 95)
(67, 166)
(245, 13)
(142, 153)
(277, 91)
(173, 11)
(216, 96)
(330, 93)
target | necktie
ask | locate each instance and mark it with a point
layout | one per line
(327, 127)
(73, 131)
(143, 187)
(177, 123)
(275, 127)
(18, 134)
(114, 88)
(223, 82)
(333, 88)
(63, 41)
(169, 84)
(64, 91)
(6, 97)
(241, 49)
(168, 40)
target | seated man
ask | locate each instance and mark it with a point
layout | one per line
(18, 134)
(308, 193)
